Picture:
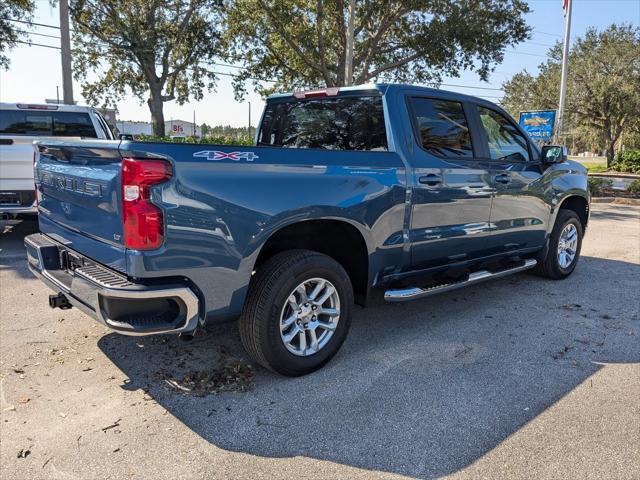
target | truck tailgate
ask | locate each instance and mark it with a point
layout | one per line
(79, 198)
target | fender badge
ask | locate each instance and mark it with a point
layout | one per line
(218, 155)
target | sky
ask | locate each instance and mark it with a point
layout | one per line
(35, 71)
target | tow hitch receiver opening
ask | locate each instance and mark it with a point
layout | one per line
(59, 301)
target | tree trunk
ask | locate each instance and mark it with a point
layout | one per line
(609, 143)
(157, 115)
(610, 156)
(348, 62)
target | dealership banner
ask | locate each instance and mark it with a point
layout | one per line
(538, 124)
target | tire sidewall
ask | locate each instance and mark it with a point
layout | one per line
(273, 347)
(566, 219)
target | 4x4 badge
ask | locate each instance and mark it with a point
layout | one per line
(218, 155)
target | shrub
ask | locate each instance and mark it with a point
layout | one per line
(634, 187)
(627, 161)
(597, 185)
(219, 140)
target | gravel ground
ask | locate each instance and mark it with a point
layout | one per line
(521, 378)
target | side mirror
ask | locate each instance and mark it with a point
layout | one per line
(125, 136)
(554, 154)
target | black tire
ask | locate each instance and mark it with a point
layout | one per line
(268, 293)
(549, 266)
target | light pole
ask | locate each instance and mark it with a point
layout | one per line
(566, 4)
(65, 50)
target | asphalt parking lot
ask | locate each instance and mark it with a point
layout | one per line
(517, 378)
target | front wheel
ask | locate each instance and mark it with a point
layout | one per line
(565, 243)
(297, 312)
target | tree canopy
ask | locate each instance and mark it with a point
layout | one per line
(300, 43)
(10, 32)
(159, 50)
(603, 88)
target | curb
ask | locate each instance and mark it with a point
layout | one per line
(614, 175)
(616, 200)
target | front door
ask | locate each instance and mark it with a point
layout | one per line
(451, 194)
(519, 213)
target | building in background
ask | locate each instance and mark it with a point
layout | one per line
(172, 128)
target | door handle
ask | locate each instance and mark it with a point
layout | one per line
(502, 178)
(432, 179)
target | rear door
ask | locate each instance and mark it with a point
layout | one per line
(452, 190)
(519, 213)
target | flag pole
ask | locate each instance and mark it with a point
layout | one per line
(567, 4)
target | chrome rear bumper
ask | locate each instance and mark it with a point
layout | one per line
(109, 297)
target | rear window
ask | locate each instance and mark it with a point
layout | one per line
(46, 123)
(349, 123)
(441, 127)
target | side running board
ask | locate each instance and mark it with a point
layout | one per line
(414, 293)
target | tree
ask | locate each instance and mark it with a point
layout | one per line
(603, 88)
(10, 33)
(342, 42)
(158, 49)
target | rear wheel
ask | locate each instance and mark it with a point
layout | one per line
(297, 312)
(564, 247)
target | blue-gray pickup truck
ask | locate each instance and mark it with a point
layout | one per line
(411, 190)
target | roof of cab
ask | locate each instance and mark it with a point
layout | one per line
(54, 107)
(385, 88)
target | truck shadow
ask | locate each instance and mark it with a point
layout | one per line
(13, 256)
(421, 389)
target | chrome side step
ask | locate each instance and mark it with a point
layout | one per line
(414, 293)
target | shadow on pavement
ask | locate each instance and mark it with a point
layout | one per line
(617, 214)
(421, 389)
(12, 252)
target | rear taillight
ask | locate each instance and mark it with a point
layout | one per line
(143, 222)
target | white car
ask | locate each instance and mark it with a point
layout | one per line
(20, 125)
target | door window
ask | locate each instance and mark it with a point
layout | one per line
(441, 127)
(506, 143)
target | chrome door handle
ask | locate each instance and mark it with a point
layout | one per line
(502, 178)
(432, 179)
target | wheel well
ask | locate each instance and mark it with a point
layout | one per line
(578, 205)
(339, 240)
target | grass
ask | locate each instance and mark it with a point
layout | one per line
(595, 167)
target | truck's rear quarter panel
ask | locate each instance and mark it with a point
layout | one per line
(219, 213)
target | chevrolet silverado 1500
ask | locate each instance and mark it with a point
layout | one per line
(412, 190)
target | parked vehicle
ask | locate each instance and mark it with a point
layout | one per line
(20, 125)
(413, 190)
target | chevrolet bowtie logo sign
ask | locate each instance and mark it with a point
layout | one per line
(218, 155)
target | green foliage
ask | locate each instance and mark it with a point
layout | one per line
(227, 131)
(594, 167)
(159, 50)
(597, 185)
(302, 43)
(212, 140)
(10, 32)
(603, 90)
(634, 187)
(628, 161)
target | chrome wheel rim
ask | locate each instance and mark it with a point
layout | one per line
(310, 317)
(567, 245)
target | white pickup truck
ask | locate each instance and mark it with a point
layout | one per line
(20, 125)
